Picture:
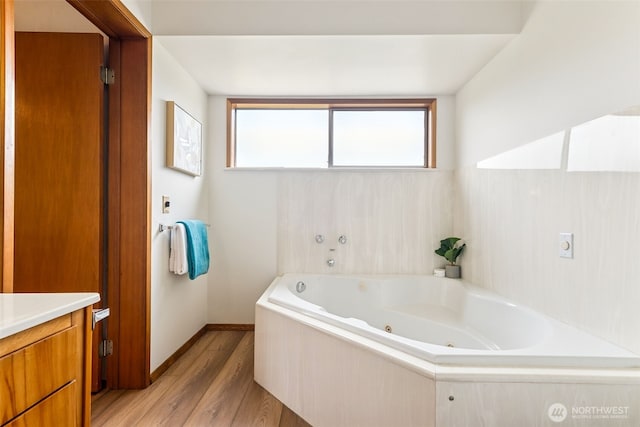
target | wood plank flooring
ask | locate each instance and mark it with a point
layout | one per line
(210, 385)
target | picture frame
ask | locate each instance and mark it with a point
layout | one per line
(184, 141)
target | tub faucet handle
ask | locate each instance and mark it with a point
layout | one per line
(319, 238)
(331, 262)
(342, 239)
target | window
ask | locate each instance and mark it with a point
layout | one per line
(321, 133)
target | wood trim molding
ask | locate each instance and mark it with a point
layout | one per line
(112, 18)
(178, 353)
(230, 327)
(113, 220)
(431, 143)
(7, 142)
(129, 245)
(301, 103)
(231, 137)
(82, 318)
(134, 261)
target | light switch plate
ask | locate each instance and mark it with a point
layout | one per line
(565, 245)
(166, 204)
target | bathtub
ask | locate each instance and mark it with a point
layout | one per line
(445, 321)
(423, 351)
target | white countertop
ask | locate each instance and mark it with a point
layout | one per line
(19, 312)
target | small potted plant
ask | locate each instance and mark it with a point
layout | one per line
(450, 249)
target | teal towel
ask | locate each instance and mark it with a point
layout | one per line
(197, 247)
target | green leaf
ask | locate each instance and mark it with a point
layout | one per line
(449, 242)
(448, 249)
(442, 250)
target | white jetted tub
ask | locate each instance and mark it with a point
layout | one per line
(427, 351)
(445, 321)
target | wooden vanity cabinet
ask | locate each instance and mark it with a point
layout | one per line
(45, 373)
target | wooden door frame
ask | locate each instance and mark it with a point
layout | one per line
(128, 197)
(7, 138)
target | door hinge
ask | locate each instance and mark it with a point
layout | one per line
(105, 348)
(107, 75)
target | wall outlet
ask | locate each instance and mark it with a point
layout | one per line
(566, 245)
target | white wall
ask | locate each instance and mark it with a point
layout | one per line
(178, 305)
(141, 9)
(574, 61)
(260, 226)
(243, 214)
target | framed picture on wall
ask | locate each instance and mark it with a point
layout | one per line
(184, 141)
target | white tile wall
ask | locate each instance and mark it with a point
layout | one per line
(511, 220)
(393, 220)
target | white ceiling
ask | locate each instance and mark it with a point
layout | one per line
(332, 48)
(333, 65)
(315, 47)
(329, 17)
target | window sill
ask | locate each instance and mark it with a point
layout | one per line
(334, 169)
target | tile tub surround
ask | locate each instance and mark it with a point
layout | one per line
(393, 220)
(511, 220)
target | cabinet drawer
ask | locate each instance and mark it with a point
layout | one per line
(59, 409)
(34, 372)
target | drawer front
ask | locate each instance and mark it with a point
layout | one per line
(28, 337)
(34, 372)
(59, 409)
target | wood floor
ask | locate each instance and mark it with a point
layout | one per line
(210, 385)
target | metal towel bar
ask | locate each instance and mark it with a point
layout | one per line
(165, 227)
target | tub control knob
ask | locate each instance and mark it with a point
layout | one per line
(300, 286)
(331, 262)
